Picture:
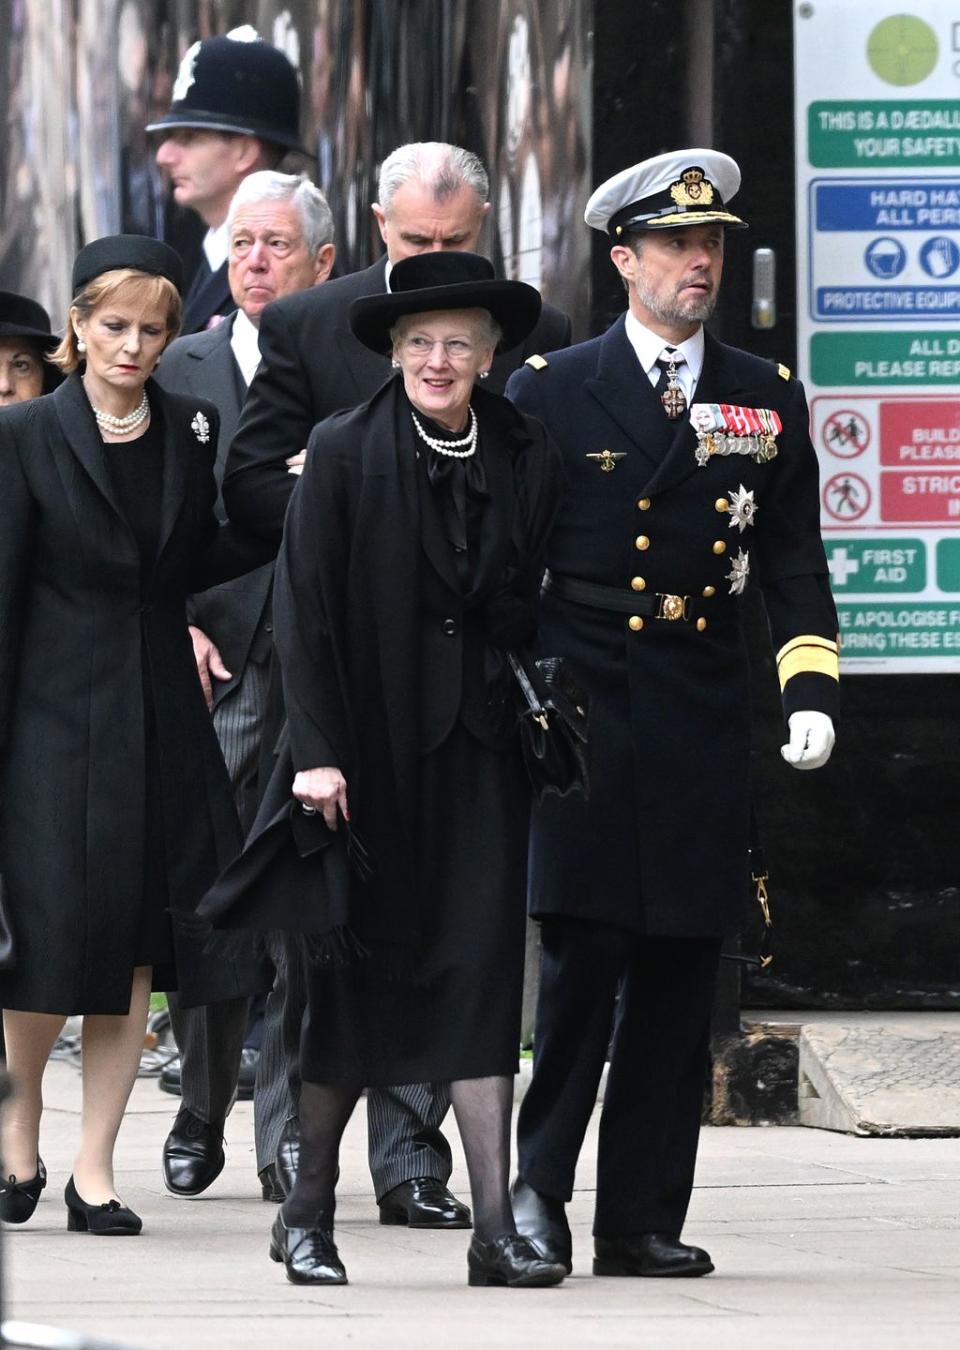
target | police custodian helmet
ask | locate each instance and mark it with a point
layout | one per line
(237, 83)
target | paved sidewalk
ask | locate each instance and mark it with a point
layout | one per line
(820, 1240)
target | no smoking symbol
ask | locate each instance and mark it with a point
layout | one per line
(846, 433)
(847, 496)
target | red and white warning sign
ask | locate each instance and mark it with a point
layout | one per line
(845, 433)
(846, 496)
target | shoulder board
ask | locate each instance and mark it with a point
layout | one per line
(537, 362)
(784, 372)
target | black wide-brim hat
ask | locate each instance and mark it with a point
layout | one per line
(237, 83)
(446, 280)
(136, 251)
(22, 317)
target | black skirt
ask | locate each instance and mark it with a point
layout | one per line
(462, 1018)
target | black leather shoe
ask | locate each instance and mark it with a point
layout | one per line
(287, 1162)
(309, 1254)
(272, 1190)
(512, 1260)
(169, 1080)
(18, 1199)
(110, 1219)
(192, 1154)
(656, 1254)
(423, 1202)
(247, 1076)
(542, 1220)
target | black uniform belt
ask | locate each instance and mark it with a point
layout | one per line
(656, 605)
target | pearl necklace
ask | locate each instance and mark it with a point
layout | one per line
(452, 449)
(121, 425)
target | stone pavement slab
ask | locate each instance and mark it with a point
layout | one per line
(820, 1240)
(880, 1079)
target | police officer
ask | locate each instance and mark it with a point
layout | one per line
(235, 109)
(690, 474)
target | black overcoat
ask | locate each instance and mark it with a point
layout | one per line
(661, 847)
(75, 625)
(350, 628)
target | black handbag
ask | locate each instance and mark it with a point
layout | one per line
(554, 725)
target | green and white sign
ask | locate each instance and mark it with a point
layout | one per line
(878, 273)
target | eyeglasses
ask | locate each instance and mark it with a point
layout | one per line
(456, 349)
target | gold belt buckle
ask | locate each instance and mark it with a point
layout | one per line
(673, 607)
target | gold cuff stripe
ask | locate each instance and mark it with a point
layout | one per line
(807, 640)
(808, 661)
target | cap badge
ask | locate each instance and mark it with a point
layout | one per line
(185, 75)
(607, 459)
(692, 188)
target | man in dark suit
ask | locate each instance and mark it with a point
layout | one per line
(431, 196)
(689, 469)
(281, 240)
(235, 110)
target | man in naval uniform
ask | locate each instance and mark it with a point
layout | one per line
(235, 110)
(690, 474)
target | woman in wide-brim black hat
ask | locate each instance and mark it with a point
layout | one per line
(412, 558)
(116, 811)
(25, 341)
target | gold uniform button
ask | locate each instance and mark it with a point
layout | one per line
(638, 584)
(643, 504)
(701, 625)
(719, 546)
(635, 623)
(642, 542)
(709, 592)
(721, 504)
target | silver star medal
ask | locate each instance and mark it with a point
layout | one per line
(743, 508)
(739, 573)
(200, 428)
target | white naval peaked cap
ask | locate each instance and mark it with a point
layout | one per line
(682, 187)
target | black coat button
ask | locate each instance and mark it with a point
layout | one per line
(450, 627)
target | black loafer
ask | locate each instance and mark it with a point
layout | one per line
(169, 1080)
(423, 1202)
(192, 1154)
(511, 1260)
(270, 1186)
(542, 1220)
(656, 1254)
(309, 1254)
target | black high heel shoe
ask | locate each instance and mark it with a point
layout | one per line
(18, 1199)
(110, 1219)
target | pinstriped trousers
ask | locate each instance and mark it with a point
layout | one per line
(210, 1037)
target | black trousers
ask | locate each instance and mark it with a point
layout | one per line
(650, 1122)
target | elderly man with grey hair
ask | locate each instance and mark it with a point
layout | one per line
(280, 231)
(432, 196)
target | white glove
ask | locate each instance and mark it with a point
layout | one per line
(811, 740)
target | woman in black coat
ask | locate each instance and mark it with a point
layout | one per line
(115, 806)
(412, 558)
(25, 339)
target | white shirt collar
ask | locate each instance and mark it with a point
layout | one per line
(216, 246)
(648, 346)
(386, 274)
(245, 344)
